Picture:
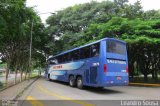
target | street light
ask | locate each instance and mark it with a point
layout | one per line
(30, 47)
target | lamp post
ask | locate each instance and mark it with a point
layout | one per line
(30, 46)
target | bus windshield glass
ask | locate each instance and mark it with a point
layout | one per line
(116, 47)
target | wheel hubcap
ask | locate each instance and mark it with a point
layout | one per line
(71, 81)
(79, 82)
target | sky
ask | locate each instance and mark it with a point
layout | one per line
(45, 7)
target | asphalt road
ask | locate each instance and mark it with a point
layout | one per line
(50, 93)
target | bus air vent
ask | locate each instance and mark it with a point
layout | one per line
(93, 75)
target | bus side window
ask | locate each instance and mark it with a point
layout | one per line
(87, 52)
(82, 53)
(71, 56)
(95, 50)
(74, 55)
(66, 57)
(62, 58)
(59, 58)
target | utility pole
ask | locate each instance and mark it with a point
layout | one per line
(30, 51)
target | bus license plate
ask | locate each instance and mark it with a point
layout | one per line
(118, 78)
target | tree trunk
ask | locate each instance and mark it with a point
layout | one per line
(29, 74)
(7, 73)
(131, 70)
(145, 77)
(15, 80)
(21, 76)
(39, 72)
(26, 74)
(153, 75)
(156, 76)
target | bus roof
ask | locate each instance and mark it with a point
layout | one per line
(84, 46)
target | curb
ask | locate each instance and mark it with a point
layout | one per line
(144, 84)
(21, 92)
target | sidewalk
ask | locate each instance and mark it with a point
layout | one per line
(12, 92)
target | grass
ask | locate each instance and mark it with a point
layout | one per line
(34, 75)
(2, 75)
(1, 85)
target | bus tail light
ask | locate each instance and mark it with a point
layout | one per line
(105, 68)
(127, 70)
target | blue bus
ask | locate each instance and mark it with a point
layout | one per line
(102, 63)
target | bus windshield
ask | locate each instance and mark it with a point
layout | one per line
(116, 47)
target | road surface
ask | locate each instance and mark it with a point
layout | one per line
(50, 93)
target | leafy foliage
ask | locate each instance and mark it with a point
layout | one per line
(15, 30)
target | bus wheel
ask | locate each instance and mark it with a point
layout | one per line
(80, 83)
(49, 77)
(72, 81)
(100, 88)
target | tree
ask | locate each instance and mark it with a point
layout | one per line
(15, 35)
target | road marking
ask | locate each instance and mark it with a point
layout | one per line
(34, 102)
(64, 97)
(145, 84)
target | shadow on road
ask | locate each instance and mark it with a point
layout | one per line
(59, 82)
(101, 90)
(92, 89)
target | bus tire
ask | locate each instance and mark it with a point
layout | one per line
(100, 88)
(79, 82)
(72, 82)
(49, 77)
